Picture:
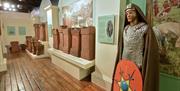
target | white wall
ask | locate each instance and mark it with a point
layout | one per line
(44, 4)
(105, 53)
(15, 19)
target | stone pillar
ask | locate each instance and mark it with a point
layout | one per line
(52, 15)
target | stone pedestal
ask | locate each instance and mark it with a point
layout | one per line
(39, 48)
(15, 46)
(56, 38)
(66, 40)
(76, 42)
(77, 67)
(61, 37)
(88, 43)
(42, 35)
(28, 43)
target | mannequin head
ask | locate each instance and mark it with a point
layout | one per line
(131, 16)
(134, 15)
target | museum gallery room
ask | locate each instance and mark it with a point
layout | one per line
(89, 45)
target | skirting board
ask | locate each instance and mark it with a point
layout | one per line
(35, 56)
(3, 67)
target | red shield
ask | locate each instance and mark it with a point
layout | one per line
(127, 77)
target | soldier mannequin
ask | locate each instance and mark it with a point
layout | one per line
(138, 43)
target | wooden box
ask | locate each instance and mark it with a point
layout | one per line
(66, 40)
(76, 42)
(15, 46)
(88, 43)
(55, 39)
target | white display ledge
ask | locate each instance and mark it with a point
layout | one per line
(3, 66)
(36, 56)
(75, 66)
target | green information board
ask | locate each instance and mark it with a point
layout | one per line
(106, 29)
(22, 30)
(11, 30)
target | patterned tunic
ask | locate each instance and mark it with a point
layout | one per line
(134, 42)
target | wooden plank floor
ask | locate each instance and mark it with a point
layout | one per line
(26, 74)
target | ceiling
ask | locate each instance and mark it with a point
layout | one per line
(24, 5)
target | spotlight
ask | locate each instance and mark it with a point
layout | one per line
(13, 9)
(6, 5)
(12, 6)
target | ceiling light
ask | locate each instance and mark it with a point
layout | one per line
(0, 4)
(12, 6)
(18, 6)
(13, 9)
(20, 0)
(6, 5)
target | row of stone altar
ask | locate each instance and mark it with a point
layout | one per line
(34, 46)
(79, 42)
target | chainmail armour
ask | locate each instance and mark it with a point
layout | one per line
(134, 42)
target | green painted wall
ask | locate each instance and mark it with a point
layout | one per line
(169, 83)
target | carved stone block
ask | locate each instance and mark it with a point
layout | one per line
(55, 38)
(15, 46)
(28, 43)
(66, 40)
(88, 43)
(76, 42)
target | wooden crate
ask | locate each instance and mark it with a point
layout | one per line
(88, 43)
(76, 42)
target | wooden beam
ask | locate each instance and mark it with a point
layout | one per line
(149, 10)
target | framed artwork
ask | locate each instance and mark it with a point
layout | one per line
(11, 30)
(79, 13)
(166, 26)
(106, 29)
(22, 30)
